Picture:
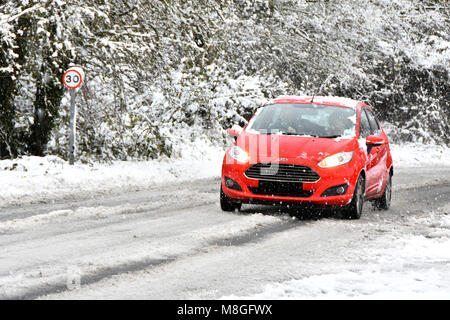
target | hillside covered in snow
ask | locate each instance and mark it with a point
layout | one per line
(160, 70)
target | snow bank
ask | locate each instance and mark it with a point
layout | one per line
(418, 155)
(39, 179)
(367, 284)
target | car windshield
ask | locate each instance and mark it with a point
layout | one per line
(305, 120)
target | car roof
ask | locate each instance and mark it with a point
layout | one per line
(323, 100)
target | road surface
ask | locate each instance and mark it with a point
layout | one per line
(174, 242)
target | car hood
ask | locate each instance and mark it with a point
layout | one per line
(270, 148)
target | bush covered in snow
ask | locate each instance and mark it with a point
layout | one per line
(157, 68)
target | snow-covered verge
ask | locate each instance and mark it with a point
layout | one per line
(394, 266)
(39, 179)
(418, 155)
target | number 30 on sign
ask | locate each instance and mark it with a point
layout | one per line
(73, 78)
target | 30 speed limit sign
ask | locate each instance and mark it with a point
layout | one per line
(73, 78)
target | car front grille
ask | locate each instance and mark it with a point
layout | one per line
(283, 172)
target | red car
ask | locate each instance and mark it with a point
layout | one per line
(316, 150)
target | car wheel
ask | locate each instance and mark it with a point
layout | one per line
(384, 202)
(354, 209)
(226, 204)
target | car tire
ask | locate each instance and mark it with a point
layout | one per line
(355, 208)
(384, 202)
(226, 204)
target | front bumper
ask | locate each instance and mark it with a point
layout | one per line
(329, 177)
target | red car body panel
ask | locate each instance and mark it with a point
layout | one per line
(309, 151)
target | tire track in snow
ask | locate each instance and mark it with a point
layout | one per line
(258, 234)
(30, 285)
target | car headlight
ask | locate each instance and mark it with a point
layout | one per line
(336, 159)
(238, 154)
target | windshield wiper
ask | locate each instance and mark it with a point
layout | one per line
(331, 137)
(299, 134)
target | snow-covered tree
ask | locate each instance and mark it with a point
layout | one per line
(157, 67)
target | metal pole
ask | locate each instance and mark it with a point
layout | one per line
(72, 126)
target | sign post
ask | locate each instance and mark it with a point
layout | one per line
(72, 126)
(73, 79)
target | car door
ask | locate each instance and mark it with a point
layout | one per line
(377, 156)
(364, 131)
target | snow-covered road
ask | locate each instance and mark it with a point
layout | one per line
(173, 242)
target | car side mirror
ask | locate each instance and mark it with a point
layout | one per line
(235, 131)
(373, 141)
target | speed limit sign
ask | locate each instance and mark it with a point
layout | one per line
(73, 78)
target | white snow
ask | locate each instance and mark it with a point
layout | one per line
(341, 100)
(420, 155)
(379, 257)
(117, 250)
(351, 103)
(407, 266)
(365, 284)
(38, 179)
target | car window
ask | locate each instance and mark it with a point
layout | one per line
(305, 119)
(374, 125)
(364, 126)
